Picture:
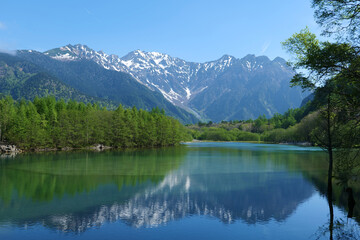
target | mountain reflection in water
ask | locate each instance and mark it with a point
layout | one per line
(73, 192)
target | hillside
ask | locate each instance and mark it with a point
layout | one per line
(93, 80)
(24, 80)
(225, 89)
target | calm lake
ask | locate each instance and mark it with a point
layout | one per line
(195, 191)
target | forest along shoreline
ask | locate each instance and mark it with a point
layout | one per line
(47, 124)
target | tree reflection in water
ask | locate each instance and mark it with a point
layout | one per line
(340, 229)
(242, 185)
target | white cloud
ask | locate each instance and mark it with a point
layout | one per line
(6, 47)
(2, 26)
(8, 51)
(265, 47)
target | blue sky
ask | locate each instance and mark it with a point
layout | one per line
(195, 30)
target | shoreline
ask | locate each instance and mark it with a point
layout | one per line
(94, 148)
(302, 144)
(11, 150)
(200, 141)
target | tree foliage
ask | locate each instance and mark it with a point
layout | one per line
(47, 123)
(333, 70)
(341, 17)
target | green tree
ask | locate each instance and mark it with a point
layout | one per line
(7, 114)
(334, 71)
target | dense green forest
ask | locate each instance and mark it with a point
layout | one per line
(48, 123)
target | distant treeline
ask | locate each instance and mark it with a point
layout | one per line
(295, 125)
(48, 123)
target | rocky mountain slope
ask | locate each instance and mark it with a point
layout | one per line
(224, 89)
(93, 80)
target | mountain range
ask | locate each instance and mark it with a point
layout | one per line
(225, 89)
(82, 80)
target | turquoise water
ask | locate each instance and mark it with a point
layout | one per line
(195, 191)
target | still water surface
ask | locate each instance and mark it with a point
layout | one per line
(195, 191)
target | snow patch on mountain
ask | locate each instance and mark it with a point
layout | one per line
(177, 80)
(188, 93)
(65, 57)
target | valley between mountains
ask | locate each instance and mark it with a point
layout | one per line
(225, 89)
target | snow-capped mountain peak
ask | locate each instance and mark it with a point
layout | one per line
(179, 81)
